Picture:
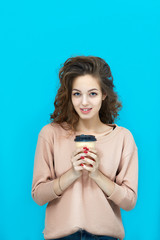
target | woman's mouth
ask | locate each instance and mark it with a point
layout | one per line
(85, 110)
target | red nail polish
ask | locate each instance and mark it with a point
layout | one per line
(82, 157)
(84, 147)
(85, 151)
(81, 164)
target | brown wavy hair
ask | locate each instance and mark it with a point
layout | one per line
(64, 113)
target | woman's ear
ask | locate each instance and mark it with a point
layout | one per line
(104, 96)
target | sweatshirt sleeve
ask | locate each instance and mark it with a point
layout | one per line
(126, 182)
(43, 173)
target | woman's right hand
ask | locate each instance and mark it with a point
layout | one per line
(78, 161)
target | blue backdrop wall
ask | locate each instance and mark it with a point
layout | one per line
(38, 36)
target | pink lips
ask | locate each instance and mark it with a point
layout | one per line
(86, 111)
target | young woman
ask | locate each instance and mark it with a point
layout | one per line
(85, 188)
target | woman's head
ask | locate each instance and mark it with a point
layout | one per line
(87, 94)
(93, 71)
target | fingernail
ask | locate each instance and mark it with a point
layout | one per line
(82, 157)
(82, 164)
(85, 148)
(85, 151)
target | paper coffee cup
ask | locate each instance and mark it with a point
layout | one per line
(85, 141)
(88, 141)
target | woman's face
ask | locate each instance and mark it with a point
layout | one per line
(86, 93)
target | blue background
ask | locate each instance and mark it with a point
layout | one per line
(36, 38)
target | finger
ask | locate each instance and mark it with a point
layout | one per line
(90, 161)
(92, 150)
(89, 168)
(77, 168)
(82, 149)
(78, 162)
(79, 150)
(81, 155)
(94, 156)
(78, 157)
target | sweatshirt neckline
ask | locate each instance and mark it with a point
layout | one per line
(106, 135)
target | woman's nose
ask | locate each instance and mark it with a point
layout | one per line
(84, 100)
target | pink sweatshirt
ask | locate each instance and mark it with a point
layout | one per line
(84, 205)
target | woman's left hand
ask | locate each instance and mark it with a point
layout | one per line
(93, 161)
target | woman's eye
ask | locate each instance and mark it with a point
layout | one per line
(95, 93)
(75, 94)
(78, 93)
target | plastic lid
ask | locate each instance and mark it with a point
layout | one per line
(85, 138)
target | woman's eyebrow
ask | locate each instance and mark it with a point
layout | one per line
(88, 90)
